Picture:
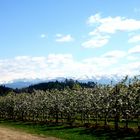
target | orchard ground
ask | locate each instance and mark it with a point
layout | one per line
(10, 130)
(14, 134)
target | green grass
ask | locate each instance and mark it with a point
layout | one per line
(69, 133)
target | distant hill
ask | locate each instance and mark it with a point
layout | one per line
(4, 90)
(60, 85)
(19, 85)
(22, 83)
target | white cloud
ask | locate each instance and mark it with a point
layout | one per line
(132, 58)
(113, 24)
(59, 35)
(134, 50)
(131, 68)
(64, 38)
(104, 27)
(21, 67)
(134, 39)
(106, 60)
(100, 62)
(64, 65)
(115, 54)
(96, 42)
(43, 35)
(59, 60)
(94, 19)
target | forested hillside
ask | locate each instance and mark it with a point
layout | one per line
(4, 90)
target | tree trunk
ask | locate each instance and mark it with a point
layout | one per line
(117, 122)
(105, 121)
(56, 117)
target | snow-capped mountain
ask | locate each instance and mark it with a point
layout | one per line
(99, 79)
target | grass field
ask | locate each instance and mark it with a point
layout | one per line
(71, 133)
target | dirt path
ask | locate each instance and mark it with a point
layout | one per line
(11, 134)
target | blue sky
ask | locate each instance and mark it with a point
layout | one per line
(64, 38)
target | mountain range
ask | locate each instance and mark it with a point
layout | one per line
(21, 83)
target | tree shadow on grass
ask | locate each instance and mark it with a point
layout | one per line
(121, 134)
(99, 132)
